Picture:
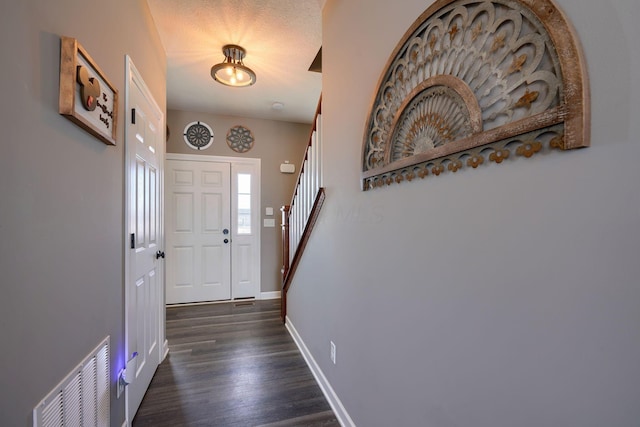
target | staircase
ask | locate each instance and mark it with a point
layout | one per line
(299, 218)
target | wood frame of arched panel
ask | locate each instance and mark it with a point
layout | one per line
(507, 78)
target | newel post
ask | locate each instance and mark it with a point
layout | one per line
(285, 257)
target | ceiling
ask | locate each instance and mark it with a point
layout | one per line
(281, 37)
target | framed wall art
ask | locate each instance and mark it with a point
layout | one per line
(86, 97)
(477, 82)
(198, 135)
(240, 139)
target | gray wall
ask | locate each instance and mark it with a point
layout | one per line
(275, 142)
(503, 296)
(61, 196)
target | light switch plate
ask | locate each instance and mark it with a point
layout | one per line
(269, 222)
(268, 211)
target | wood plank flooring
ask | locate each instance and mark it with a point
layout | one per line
(232, 364)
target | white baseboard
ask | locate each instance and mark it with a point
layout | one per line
(338, 409)
(270, 295)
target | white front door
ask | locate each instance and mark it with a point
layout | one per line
(144, 318)
(212, 228)
(198, 231)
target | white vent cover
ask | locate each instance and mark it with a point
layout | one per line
(82, 398)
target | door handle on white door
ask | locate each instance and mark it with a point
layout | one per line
(226, 240)
(159, 254)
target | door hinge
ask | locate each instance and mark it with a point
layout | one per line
(133, 240)
(133, 116)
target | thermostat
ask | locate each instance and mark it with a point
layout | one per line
(287, 167)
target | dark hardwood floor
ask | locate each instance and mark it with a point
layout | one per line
(232, 364)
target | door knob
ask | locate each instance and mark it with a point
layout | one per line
(159, 254)
(225, 231)
(226, 240)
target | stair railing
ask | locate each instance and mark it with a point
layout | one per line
(299, 218)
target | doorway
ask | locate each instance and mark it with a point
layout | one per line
(145, 344)
(212, 228)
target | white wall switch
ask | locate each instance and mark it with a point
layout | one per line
(268, 211)
(269, 222)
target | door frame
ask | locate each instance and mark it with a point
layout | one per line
(255, 163)
(132, 74)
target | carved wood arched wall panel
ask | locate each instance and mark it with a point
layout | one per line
(475, 82)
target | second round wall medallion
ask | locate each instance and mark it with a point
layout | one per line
(198, 135)
(240, 139)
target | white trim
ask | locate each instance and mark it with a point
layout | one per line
(125, 423)
(190, 304)
(165, 349)
(338, 408)
(127, 228)
(270, 295)
(209, 158)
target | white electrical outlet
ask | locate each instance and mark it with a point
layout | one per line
(333, 352)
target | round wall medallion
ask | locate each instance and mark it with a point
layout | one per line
(198, 135)
(240, 139)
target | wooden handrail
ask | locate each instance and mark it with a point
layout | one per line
(290, 271)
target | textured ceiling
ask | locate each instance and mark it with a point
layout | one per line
(281, 37)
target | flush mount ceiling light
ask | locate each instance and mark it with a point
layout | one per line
(232, 71)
